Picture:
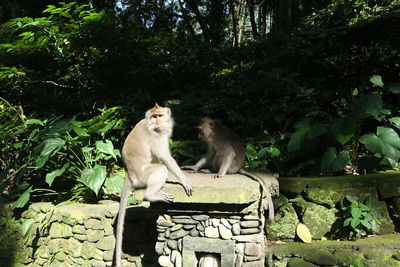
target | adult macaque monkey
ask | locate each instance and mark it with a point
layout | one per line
(146, 145)
(226, 154)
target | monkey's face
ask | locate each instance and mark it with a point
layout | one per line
(205, 129)
(160, 121)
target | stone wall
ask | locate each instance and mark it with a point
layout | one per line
(83, 235)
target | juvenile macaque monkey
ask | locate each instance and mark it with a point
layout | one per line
(147, 159)
(225, 154)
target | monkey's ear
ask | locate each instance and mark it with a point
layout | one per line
(212, 124)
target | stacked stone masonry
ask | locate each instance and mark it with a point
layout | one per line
(244, 232)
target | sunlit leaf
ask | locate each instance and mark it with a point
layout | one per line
(386, 142)
(94, 178)
(52, 175)
(377, 80)
(23, 199)
(106, 147)
(303, 233)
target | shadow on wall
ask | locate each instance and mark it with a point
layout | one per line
(140, 236)
(9, 227)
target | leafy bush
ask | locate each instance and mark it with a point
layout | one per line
(362, 218)
(66, 158)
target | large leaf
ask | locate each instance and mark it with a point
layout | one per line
(46, 148)
(377, 80)
(372, 104)
(52, 175)
(115, 183)
(394, 87)
(386, 142)
(303, 233)
(23, 199)
(395, 121)
(106, 148)
(94, 178)
(344, 129)
(332, 161)
(305, 132)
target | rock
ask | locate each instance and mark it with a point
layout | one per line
(323, 196)
(319, 219)
(185, 221)
(250, 224)
(211, 232)
(60, 230)
(253, 250)
(239, 260)
(93, 224)
(249, 231)
(176, 227)
(90, 251)
(108, 255)
(322, 257)
(72, 247)
(189, 226)
(178, 234)
(172, 244)
(194, 232)
(178, 260)
(174, 253)
(251, 218)
(284, 224)
(78, 229)
(236, 229)
(200, 217)
(224, 232)
(299, 263)
(159, 247)
(106, 243)
(226, 223)
(94, 235)
(239, 248)
(215, 222)
(200, 227)
(164, 220)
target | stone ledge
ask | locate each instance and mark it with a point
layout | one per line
(230, 189)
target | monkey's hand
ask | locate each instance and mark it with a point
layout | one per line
(191, 168)
(217, 175)
(188, 188)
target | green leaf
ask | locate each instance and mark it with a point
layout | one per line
(355, 222)
(106, 148)
(394, 87)
(34, 121)
(367, 224)
(94, 178)
(115, 183)
(372, 104)
(23, 199)
(299, 137)
(377, 80)
(395, 121)
(26, 227)
(52, 175)
(375, 226)
(356, 213)
(347, 222)
(386, 142)
(344, 129)
(352, 200)
(48, 147)
(331, 161)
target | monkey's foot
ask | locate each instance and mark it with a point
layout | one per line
(205, 171)
(159, 197)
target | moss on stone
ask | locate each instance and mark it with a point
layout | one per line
(284, 224)
(322, 257)
(299, 263)
(319, 219)
(323, 196)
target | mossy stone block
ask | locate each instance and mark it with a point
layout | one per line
(284, 224)
(323, 196)
(299, 263)
(322, 257)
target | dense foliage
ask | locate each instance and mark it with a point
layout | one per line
(313, 86)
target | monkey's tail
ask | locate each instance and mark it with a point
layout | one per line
(266, 190)
(121, 218)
